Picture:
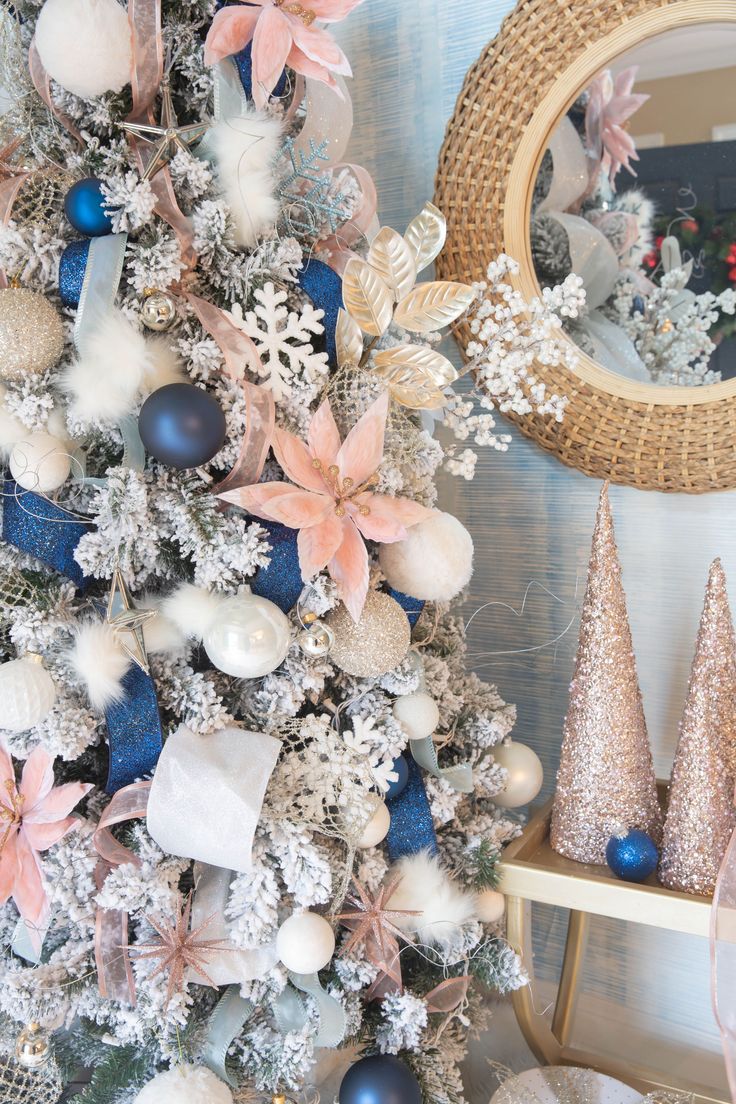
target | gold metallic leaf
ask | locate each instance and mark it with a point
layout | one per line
(425, 235)
(434, 305)
(393, 259)
(348, 339)
(367, 297)
(416, 376)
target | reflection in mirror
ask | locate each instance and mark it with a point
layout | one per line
(636, 194)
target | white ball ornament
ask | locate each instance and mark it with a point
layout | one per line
(27, 693)
(85, 45)
(417, 714)
(490, 906)
(40, 463)
(525, 774)
(305, 943)
(249, 636)
(376, 829)
(185, 1085)
(435, 561)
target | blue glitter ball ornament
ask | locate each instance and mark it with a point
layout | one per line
(324, 288)
(72, 267)
(400, 767)
(280, 582)
(84, 206)
(380, 1079)
(633, 856)
(181, 425)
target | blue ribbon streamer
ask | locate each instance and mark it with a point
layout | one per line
(412, 829)
(38, 526)
(324, 287)
(227, 1021)
(412, 607)
(280, 582)
(134, 730)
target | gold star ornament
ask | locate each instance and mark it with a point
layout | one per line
(127, 621)
(165, 139)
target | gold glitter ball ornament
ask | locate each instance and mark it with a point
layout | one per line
(31, 333)
(375, 644)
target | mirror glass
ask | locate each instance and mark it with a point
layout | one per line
(636, 194)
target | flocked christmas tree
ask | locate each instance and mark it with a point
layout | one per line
(606, 777)
(220, 853)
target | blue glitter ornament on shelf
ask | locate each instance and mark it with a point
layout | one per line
(400, 767)
(72, 267)
(324, 288)
(84, 206)
(181, 425)
(632, 855)
(412, 828)
(380, 1079)
(38, 526)
(281, 581)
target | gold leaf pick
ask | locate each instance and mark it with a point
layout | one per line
(392, 258)
(434, 305)
(367, 297)
(348, 339)
(425, 235)
(416, 375)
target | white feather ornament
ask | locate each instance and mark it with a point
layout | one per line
(426, 888)
(85, 45)
(117, 366)
(100, 662)
(191, 609)
(185, 1085)
(160, 634)
(245, 150)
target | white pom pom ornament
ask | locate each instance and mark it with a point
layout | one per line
(305, 943)
(100, 662)
(27, 693)
(85, 45)
(425, 888)
(525, 774)
(435, 561)
(417, 714)
(185, 1085)
(40, 462)
(245, 150)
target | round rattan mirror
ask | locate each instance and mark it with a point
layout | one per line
(631, 417)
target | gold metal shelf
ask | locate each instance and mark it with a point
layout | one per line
(532, 872)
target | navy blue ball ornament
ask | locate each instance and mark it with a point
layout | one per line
(72, 267)
(632, 855)
(400, 767)
(181, 425)
(84, 206)
(381, 1079)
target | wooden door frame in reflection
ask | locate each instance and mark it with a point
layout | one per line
(643, 435)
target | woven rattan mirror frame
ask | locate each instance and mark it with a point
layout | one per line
(642, 435)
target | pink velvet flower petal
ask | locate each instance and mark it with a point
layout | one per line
(298, 509)
(296, 460)
(331, 11)
(320, 46)
(389, 518)
(41, 836)
(271, 44)
(8, 864)
(300, 63)
(318, 544)
(57, 804)
(7, 774)
(255, 499)
(349, 569)
(324, 436)
(362, 450)
(29, 892)
(231, 30)
(37, 779)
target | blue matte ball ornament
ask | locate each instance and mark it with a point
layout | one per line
(633, 856)
(84, 206)
(72, 267)
(381, 1079)
(400, 767)
(181, 425)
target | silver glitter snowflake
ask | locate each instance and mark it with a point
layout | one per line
(309, 199)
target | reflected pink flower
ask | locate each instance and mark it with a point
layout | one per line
(611, 103)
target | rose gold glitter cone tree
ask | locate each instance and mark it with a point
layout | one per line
(606, 776)
(700, 815)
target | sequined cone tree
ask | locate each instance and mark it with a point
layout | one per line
(700, 814)
(606, 776)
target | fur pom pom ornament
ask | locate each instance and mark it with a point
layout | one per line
(434, 563)
(427, 889)
(190, 609)
(185, 1085)
(118, 365)
(100, 662)
(245, 150)
(85, 45)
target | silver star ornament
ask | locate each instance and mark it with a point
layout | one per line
(127, 621)
(165, 139)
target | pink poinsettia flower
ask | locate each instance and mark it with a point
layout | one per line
(282, 33)
(611, 103)
(333, 506)
(33, 816)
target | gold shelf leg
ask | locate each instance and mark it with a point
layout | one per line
(570, 976)
(534, 1027)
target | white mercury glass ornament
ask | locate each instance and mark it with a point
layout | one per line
(490, 906)
(158, 311)
(31, 333)
(185, 1084)
(376, 829)
(525, 774)
(305, 943)
(27, 693)
(249, 637)
(40, 463)
(417, 714)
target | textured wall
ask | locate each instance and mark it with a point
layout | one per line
(532, 520)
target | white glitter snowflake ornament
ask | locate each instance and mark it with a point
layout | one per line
(283, 339)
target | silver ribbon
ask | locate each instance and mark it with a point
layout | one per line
(227, 1021)
(231, 964)
(460, 777)
(22, 944)
(291, 1015)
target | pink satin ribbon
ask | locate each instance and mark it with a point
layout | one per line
(446, 996)
(723, 958)
(114, 972)
(42, 84)
(240, 353)
(340, 244)
(8, 194)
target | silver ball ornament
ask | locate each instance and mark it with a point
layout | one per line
(316, 639)
(27, 693)
(249, 637)
(377, 643)
(31, 333)
(33, 1047)
(158, 311)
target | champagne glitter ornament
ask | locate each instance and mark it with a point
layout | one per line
(701, 815)
(31, 333)
(606, 777)
(375, 644)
